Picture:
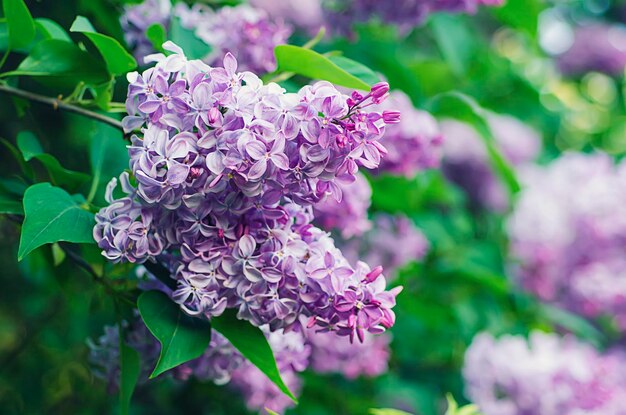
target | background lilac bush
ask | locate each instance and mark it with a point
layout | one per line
(312, 207)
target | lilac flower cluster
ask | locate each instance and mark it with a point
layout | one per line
(466, 162)
(543, 375)
(392, 243)
(246, 32)
(406, 14)
(413, 145)
(596, 47)
(568, 233)
(306, 14)
(137, 18)
(348, 216)
(227, 170)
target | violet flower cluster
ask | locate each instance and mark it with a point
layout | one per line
(226, 171)
(466, 162)
(413, 145)
(247, 32)
(406, 14)
(568, 234)
(543, 375)
(596, 47)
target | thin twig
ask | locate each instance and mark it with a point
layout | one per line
(56, 103)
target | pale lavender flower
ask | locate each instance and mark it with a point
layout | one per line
(349, 216)
(568, 234)
(306, 14)
(543, 375)
(596, 47)
(466, 161)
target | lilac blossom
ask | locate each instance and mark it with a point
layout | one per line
(349, 216)
(413, 145)
(466, 161)
(596, 47)
(567, 235)
(227, 172)
(543, 375)
(392, 243)
(332, 354)
(247, 32)
(306, 14)
(137, 18)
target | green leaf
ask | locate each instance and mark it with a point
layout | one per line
(64, 61)
(355, 68)
(108, 156)
(520, 14)
(252, 344)
(20, 23)
(51, 29)
(58, 254)
(130, 369)
(311, 64)
(462, 107)
(182, 338)
(455, 41)
(8, 204)
(453, 408)
(31, 149)
(26, 169)
(387, 411)
(194, 48)
(51, 215)
(117, 59)
(157, 35)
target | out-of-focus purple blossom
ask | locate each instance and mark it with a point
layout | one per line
(137, 18)
(306, 14)
(341, 15)
(543, 375)
(568, 233)
(466, 162)
(228, 170)
(332, 354)
(249, 33)
(392, 243)
(413, 145)
(596, 47)
(349, 216)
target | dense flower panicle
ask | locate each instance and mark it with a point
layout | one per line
(466, 162)
(414, 144)
(596, 47)
(543, 375)
(247, 32)
(332, 354)
(406, 14)
(348, 216)
(392, 243)
(228, 170)
(137, 18)
(568, 232)
(306, 14)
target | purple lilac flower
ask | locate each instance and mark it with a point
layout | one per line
(306, 14)
(247, 32)
(406, 14)
(596, 47)
(543, 375)
(392, 243)
(349, 216)
(466, 161)
(137, 18)
(228, 170)
(413, 145)
(568, 233)
(332, 354)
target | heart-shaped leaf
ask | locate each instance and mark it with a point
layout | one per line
(52, 215)
(20, 23)
(182, 337)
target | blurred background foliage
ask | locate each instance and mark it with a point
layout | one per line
(498, 57)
